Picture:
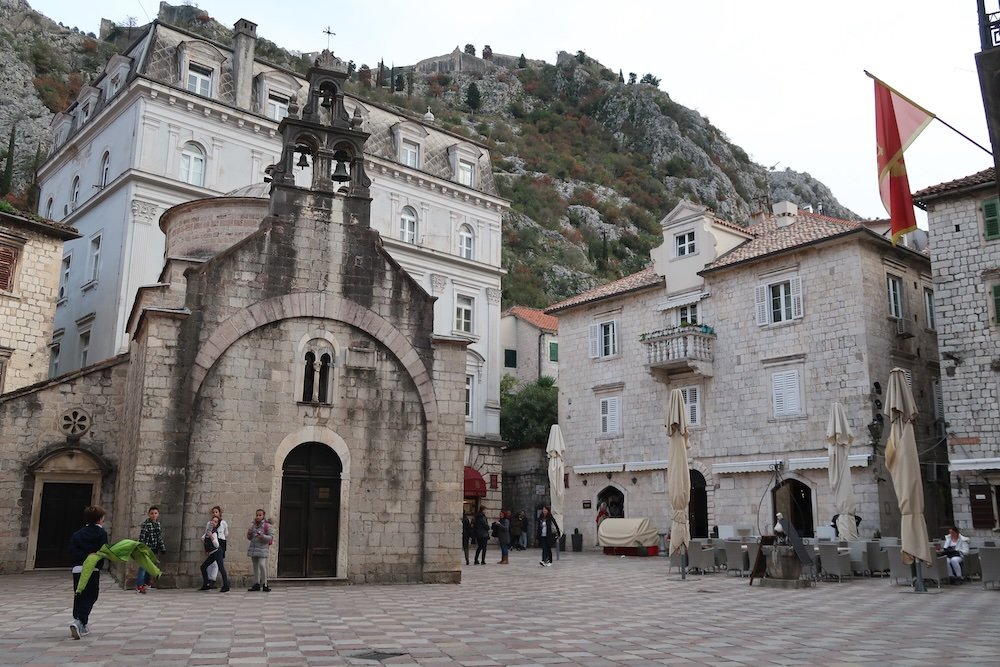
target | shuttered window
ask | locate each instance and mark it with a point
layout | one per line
(996, 304)
(8, 267)
(779, 301)
(981, 504)
(938, 399)
(991, 219)
(786, 393)
(692, 401)
(610, 416)
(603, 339)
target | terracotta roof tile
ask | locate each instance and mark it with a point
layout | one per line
(637, 281)
(983, 177)
(536, 318)
(770, 238)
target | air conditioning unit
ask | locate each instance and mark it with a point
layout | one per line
(904, 328)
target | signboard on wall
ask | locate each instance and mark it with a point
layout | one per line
(586, 504)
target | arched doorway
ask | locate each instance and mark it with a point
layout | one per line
(698, 505)
(310, 512)
(794, 500)
(615, 500)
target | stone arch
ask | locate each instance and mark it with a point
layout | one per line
(710, 485)
(331, 439)
(317, 304)
(791, 480)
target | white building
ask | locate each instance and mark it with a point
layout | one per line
(530, 342)
(762, 328)
(178, 117)
(964, 220)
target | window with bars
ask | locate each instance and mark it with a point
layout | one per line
(779, 301)
(786, 393)
(610, 415)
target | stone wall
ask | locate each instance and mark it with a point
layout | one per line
(966, 268)
(525, 471)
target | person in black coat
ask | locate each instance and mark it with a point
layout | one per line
(481, 525)
(467, 535)
(547, 533)
(84, 542)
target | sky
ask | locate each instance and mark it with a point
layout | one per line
(783, 79)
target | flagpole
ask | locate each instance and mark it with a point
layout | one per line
(934, 116)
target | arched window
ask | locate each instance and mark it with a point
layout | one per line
(308, 378)
(76, 192)
(48, 208)
(317, 372)
(105, 170)
(193, 164)
(408, 225)
(466, 242)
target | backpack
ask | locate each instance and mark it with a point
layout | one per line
(496, 529)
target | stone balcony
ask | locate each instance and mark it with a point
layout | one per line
(680, 350)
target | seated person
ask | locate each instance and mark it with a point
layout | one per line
(955, 549)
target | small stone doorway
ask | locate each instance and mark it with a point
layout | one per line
(310, 512)
(698, 505)
(615, 500)
(794, 500)
(60, 515)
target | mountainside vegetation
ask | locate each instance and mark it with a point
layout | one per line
(590, 160)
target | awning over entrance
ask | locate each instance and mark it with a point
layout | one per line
(475, 485)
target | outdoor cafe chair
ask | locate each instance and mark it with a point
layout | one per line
(859, 557)
(897, 570)
(701, 558)
(878, 559)
(989, 565)
(833, 562)
(736, 557)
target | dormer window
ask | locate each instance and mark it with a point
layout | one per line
(277, 106)
(85, 113)
(466, 173)
(410, 154)
(199, 80)
(114, 85)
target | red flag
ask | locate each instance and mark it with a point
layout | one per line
(898, 121)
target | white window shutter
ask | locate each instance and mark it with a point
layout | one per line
(613, 415)
(614, 336)
(785, 393)
(693, 402)
(792, 393)
(909, 378)
(795, 287)
(760, 302)
(595, 341)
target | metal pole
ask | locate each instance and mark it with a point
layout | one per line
(684, 562)
(918, 583)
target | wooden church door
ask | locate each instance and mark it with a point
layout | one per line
(310, 512)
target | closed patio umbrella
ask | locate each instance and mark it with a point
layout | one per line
(904, 467)
(557, 491)
(838, 434)
(678, 478)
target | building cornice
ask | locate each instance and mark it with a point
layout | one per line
(434, 184)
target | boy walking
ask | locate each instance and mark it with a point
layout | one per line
(84, 542)
(150, 535)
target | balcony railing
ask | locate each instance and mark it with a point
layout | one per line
(688, 348)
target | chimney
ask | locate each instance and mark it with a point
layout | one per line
(785, 213)
(244, 45)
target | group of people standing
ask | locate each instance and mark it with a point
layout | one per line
(506, 528)
(260, 536)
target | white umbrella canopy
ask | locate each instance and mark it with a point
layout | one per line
(904, 467)
(555, 449)
(838, 434)
(678, 478)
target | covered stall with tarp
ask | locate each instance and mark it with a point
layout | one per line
(628, 537)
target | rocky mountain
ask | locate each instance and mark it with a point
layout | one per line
(590, 162)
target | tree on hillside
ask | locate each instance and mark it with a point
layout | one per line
(7, 179)
(621, 76)
(472, 98)
(487, 53)
(522, 62)
(470, 49)
(581, 57)
(650, 79)
(631, 78)
(526, 415)
(365, 76)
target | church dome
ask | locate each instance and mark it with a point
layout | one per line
(257, 190)
(203, 228)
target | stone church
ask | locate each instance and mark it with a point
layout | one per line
(283, 361)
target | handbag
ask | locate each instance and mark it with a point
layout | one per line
(950, 552)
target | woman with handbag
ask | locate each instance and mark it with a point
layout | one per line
(956, 548)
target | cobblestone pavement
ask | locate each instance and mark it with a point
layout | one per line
(588, 609)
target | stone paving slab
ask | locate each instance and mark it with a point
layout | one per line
(588, 609)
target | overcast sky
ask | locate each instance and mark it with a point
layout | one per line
(783, 79)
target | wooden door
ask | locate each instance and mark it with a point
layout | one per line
(61, 514)
(310, 512)
(698, 505)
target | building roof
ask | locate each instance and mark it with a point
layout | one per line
(637, 281)
(984, 177)
(769, 238)
(40, 224)
(536, 318)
